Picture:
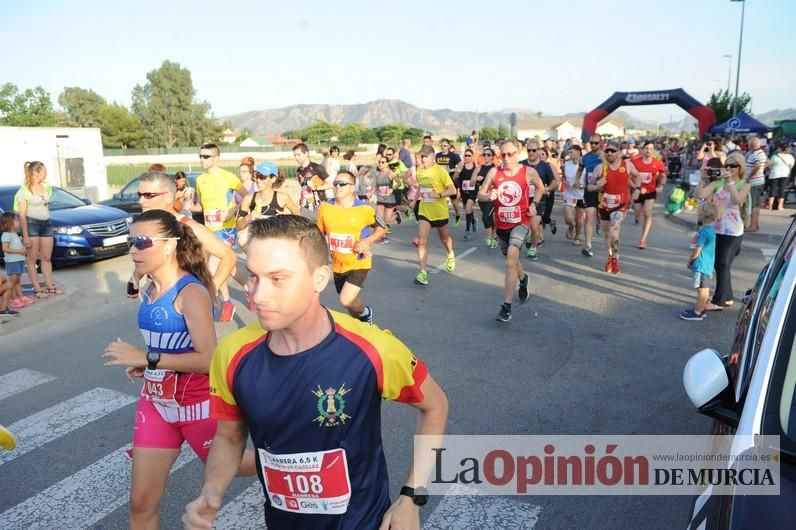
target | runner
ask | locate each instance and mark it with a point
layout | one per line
(176, 321)
(574, 207)
(675, 159)
(267, 200)
(588, 163)
(215, 189)
(508, 187)
(246, 175)
(487, 207)
(448, 160)
(385, 198)
(545, 201)
(467, 186)
(612, 178)
(346, 221)
(312, 178)
(157, 191)
(7, 440)
(652, 173)
(332, 374)
(435, 188)
(400, 185)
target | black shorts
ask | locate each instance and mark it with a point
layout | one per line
(439, 223)
(591, 199)
(545, 208)
(469, 196)
(644, 197)
(399, 196)
(487, 213)
(355, 277)
(605, 215)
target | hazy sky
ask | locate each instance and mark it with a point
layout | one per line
(554, 56)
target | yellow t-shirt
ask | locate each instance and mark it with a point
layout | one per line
(343, 227)
(217, 192)
(430, 179)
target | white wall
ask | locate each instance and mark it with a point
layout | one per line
(567, 130)
(52, 145)
(610, 128)
(522, 134)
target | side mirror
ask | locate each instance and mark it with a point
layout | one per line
(707, 384)
(86, 201)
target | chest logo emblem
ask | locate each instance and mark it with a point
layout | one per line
(331, 406)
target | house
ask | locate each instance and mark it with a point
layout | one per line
(256, 141)
(611, 129)
(281, 140)
(557, 128)
(229, 136)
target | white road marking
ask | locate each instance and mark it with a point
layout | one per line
(768, 253)
(81, 500)
(474, 511)
(21, 380)
(245, 510)
(464, 254)
(51, 423)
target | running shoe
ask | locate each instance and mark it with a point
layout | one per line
(389, 229)
(488, 242)
(523, 292)
(16, 304)
(398, 217)
(540, 242)
(7, 440)
(450, 263)
(458, 220)
(587, 251)
(467, 235)
(528, 240)
(504, 315)
(553, 227)
(609, 264)
(129, 453)
(690, 314)
(642, 244)
(494, 243)
(383, 241)
(422, 277)
(367, 319)
(227, 311)
(8, 313)
(635, 221)
(27, 300)
(597, 230)
(532, 254)
(615, 265)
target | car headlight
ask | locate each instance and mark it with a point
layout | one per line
(129, 221)
(68, 230)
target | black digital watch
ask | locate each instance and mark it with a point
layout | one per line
(418, 495)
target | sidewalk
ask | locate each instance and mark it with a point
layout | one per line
(44, 309)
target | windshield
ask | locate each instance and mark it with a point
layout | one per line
(63, 200)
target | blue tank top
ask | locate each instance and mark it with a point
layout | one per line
(163, 328)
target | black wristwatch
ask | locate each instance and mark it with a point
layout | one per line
(418, 495)
(152, 359)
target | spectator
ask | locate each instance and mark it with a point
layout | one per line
(702, 260)
(781, 165)
(332, 167)
(5, 295)
(756, 161)
(184, 198)
(728, 193)
(14, 254)
(348, 162)
(32, 202)
(728, 146)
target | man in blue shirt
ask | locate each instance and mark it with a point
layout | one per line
(545, 206)
(590, 160)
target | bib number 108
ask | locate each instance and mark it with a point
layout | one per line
(304, 484)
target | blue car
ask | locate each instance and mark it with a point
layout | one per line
(83, 231)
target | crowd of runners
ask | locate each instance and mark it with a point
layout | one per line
(317, 449)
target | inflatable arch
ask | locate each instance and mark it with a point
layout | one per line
(703, 114)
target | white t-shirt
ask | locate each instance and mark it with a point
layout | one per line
(570, 172)
(781, 164)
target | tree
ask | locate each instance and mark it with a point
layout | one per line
(352, 134)
(721, 103)
(414, 134)
(391, 134)
(488, 133)
(31, 108)
(81, 107)
(503, 131)
(119, 128)
(320, 131)
(166, 108)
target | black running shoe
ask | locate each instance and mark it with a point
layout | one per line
(523, 292)
(504, 315)
(553, 227)
(367, 319)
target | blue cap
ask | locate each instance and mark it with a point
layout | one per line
(267, 168)
(631, 141)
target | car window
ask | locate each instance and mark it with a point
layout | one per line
(7, 200)
(130, 192)
(63, 200)
(753, 320)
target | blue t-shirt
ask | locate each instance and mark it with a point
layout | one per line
(14, 242)
(406, 157)
(706, 240)
(590, 161)
(543, 169)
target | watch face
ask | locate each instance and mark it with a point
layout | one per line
(421, 496)
(152, 357)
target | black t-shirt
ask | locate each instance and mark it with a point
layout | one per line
(305, 174)
(544, 170)
(448, 160)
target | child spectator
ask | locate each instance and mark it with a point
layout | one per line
(5, 295)
(14, 255)
(702, 260)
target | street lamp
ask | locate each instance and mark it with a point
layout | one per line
(738, 69)
(729, 70)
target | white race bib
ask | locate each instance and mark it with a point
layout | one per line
(424, 195)
(646, 177)
(341, 243)
(611, 201)
(160, 386)
(509, 214)
(466, 186)
(385, 190)
(570, 201)
(307, 482)
(213, 219)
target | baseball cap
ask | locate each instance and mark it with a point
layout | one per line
(267, 168)
(426, 150)
(631, 141)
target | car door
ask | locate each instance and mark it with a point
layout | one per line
(128, 197)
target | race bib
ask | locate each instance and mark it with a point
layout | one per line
(307, 482)
(646, 177)
(570, 201)
(611, 201)
(424, 195)
(509, 214)
(466, 186)
(213, 219)
(160, 386)
(385, 190)
(341, 243)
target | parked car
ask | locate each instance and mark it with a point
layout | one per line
(752, 391)
(82, 231)
(127, 198)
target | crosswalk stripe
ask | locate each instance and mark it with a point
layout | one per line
(472, 511)
(21, 380)
(83, 499)
(245, 510)
(51, 423)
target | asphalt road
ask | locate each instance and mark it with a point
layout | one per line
(590, 353)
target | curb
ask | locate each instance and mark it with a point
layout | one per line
(42, 310)
(759, 237)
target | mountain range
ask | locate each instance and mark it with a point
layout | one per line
(439, 121)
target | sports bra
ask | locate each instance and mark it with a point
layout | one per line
(272, 208)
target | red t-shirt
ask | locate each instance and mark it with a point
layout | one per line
(648, 172)
(513, 200)
(616, 192)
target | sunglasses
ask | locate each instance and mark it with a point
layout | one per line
(532, 150)
(594, 143)
(732, 166)
(145, 242)
(488, 154)
(260, 176)
(468, 156)
(341, 183)
(610, 150)
(382, 162)
(149, 196)
(205, 157)
(506, 155)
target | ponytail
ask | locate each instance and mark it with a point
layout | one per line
(191, 258)
(30, 168)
